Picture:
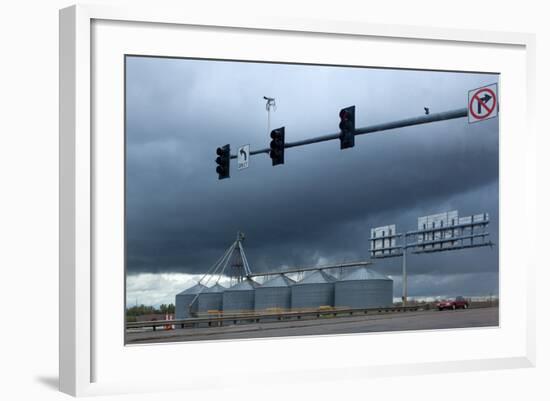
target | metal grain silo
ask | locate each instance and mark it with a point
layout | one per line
(363, 288)
(274, 293)
(211, 299)
(184, 299)
(314, 291)
(240, 297)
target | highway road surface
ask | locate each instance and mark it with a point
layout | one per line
(422, 320)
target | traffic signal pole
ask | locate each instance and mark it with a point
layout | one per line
(408, 122)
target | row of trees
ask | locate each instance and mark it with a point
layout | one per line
(139, 310)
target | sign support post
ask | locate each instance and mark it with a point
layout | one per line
(404, 297)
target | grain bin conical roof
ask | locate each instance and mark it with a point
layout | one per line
(278, 281)
(216, 288)
(364, 273)
(196, 289)
(317, 277)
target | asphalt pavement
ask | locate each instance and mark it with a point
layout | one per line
(402, 321)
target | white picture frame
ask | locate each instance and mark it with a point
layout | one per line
(83, 351)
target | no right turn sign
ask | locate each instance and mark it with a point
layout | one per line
(483, 103)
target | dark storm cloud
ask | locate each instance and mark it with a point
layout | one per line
(320, 205)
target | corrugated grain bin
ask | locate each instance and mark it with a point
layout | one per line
(184, 298)
(363, 288)
(211, 299)
(314, 291)
(274, 293)
(240, 297)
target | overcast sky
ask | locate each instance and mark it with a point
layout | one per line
(319, 206)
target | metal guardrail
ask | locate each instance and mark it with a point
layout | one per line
(257, 317)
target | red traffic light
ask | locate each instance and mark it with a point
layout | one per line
(347, 127)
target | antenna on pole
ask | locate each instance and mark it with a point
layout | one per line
(270, 104)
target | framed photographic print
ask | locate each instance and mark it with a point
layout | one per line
(277, 187)
(318, 260)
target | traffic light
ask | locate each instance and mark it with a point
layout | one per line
(223, 162)
(347, 127)
(277, 146)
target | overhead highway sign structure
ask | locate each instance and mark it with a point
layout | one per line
(436, 233)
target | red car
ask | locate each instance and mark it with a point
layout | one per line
(458, 302)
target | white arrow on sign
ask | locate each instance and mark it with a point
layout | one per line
(243, 156)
